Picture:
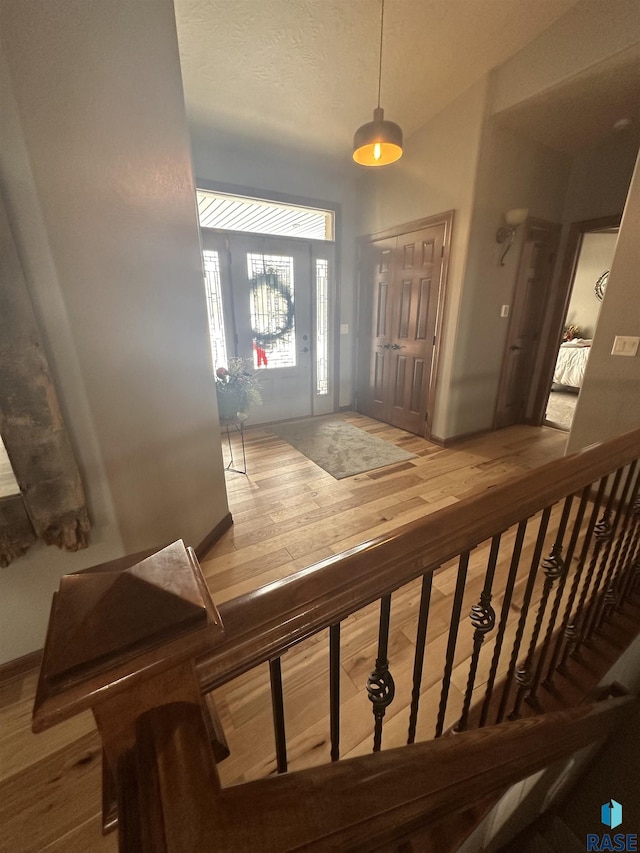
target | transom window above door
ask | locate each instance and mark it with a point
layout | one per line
(260, 216)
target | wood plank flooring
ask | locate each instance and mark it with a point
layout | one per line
(288, 513)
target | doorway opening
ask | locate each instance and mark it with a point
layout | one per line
(593, 258)
(8, 483)
(271, 298)
(531, 300)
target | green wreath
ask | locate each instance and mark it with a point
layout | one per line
(283, 295)
(601, 285)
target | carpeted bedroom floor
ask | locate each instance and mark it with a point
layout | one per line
(561, 407)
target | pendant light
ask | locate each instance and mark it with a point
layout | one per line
(378, 142)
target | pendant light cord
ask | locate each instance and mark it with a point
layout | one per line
(380, 65)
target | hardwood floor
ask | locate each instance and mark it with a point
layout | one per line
(288, 513)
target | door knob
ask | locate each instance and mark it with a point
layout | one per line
(396, 346)
(304, 349)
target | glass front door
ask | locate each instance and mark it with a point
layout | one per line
(269, 303)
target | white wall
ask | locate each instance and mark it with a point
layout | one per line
(609, 402)
(436, 173)
(264, 168)
(600, 178)
(595, 258)
(463, 161)
(96, 175)
(589, 33)
(513, 172)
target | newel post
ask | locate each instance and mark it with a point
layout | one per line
(124, 643)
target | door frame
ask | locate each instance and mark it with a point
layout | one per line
(222, 241)
(302, 201)
(559, 300)
(446, 219)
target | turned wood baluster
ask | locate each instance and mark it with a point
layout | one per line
(380, 684)
(553, 567)
(537, 554)
(483, 620)
(618, 558)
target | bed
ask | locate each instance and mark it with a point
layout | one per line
(572, 362)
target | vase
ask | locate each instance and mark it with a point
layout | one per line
(231, 404)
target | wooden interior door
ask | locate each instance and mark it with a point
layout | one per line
(530, 304)
(401, 294)
(375, 337)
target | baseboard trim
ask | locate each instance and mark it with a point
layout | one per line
(20, 666)
(458, 439)
(211, 538)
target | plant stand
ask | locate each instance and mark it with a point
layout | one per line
(236, 424)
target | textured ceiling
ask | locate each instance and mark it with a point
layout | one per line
(305, 72)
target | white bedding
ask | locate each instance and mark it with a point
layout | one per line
(571, 363)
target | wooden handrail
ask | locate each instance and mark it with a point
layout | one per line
(358, 804)
(144, 648)
(262, 624)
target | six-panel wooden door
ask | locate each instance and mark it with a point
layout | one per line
(401, 295)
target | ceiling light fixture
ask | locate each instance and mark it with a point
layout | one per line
(378, 142)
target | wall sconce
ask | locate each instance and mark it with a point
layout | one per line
(514, 218)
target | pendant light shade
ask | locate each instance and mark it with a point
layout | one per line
(378, 142)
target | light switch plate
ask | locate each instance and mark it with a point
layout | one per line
(625, 345)
(344, 328)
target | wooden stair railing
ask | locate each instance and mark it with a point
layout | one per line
(370, 803)
(170, 799)
(584, 514)
(145, 647)
(263, 624)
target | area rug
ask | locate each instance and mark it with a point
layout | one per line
(340, 448)
(561, 408)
